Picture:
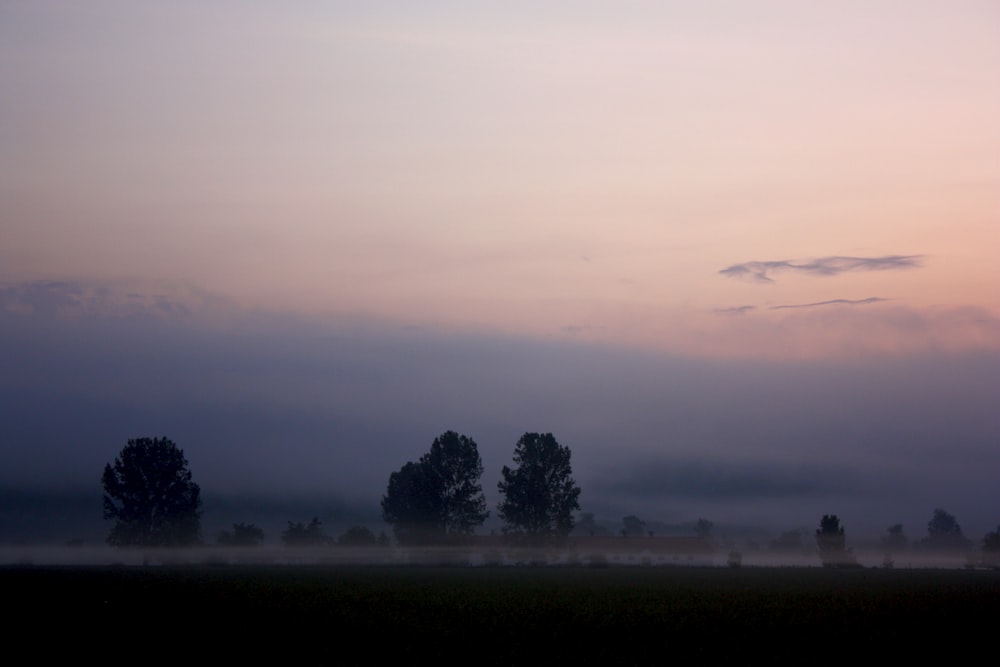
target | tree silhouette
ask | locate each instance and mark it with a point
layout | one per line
(539, 495)
(242, 535)
(704, 528)
(357, 536)
(944, 533)
(991, 549)
(832, 543)
(633, 526)
(438, 499)
(894, 539)
(790, 540)
(149, 494)
(302, 535)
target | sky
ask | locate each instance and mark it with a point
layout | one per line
(739, 257)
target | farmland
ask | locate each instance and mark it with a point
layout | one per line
(503, 615)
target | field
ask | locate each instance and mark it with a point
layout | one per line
(509, 615)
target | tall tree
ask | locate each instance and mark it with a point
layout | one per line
(149, 494)
(539, 495)
(832, 543)
(438, 499)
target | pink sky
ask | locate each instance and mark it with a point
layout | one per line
(520, 168)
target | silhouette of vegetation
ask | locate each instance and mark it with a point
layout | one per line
(991, 541)
(633, 526)
(991, 549)
(894, 540)
(539, 495)
(149, 494)
(242, 535)
(944, 533)
(305, 535)
(832, 543)
(788, 541)
(586, 524)
(357, 536)
(438, 499)
(704, 528)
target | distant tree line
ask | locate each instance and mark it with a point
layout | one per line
(150, 496)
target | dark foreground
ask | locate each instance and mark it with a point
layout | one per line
(364, 615)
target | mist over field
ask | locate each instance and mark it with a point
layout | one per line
(287, 418)
(738, 258)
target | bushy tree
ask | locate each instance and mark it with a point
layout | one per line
(586, 524)
(991, 541)
(539, 495)
(149, 495)
(991, 549)
(704, 528)
(790, 540)
(633, 526)
(894, 539)
(305, 535)
(438, 499)
(357, 536)
(242, 535)
(944, 533)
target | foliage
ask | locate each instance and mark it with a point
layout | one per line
(586, 524)
(944, 533)
(302, 535)
(357, 536)
(242, 535)
(633, 526)
(894, 539)
(832, 543)
(539, 495)
(439, 498)
(790, 540)
(149, 494)
(704, 528)
(991, 541)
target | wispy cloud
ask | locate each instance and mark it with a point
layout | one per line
(735, 310)
(831, 302)
(824, 266)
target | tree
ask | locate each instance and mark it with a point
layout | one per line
(539, 495)
(991, 549)
(790, 540)
(438, 499)
(357, 536)
(704, 528)
(149, 494)
(302, 535)
(894, 539)
(832, 543)
(944, 533)
(991, 541)
(633, 526)
(242, 535)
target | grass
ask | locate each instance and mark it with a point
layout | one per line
(357, 615)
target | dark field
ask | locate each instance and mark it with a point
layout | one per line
(361, 615)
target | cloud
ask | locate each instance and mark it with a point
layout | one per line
(824, 266)
(831, 302)
(735, 310)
